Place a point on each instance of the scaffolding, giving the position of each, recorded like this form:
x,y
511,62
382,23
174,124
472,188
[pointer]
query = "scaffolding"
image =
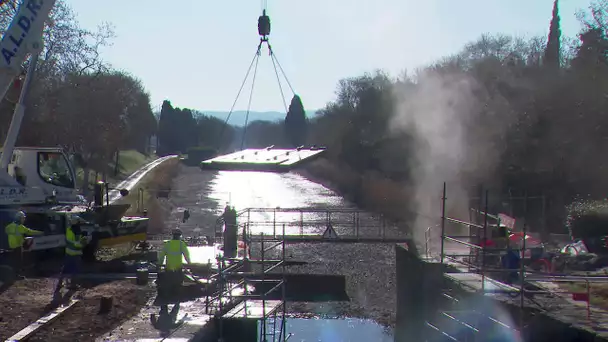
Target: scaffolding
x,y
477,266
242,290
271,229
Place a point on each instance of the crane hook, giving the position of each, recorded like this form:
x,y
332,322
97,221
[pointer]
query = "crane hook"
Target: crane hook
x,y
264,26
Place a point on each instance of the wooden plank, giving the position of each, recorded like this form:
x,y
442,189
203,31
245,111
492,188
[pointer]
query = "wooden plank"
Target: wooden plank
x,y
253,309
41,322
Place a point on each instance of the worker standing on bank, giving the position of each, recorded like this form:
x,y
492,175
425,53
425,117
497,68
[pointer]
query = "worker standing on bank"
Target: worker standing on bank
x,y
15,232
230,232
173,250
74,244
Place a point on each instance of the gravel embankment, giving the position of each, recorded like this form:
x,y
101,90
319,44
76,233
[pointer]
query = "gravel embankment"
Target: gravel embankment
x,y
370,278
189,191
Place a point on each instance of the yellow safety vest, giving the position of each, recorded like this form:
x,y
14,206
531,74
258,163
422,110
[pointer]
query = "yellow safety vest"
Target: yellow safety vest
x,y
173,250
73,246
15,233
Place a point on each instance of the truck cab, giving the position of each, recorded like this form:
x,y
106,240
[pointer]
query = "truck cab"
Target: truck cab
x,y
45,168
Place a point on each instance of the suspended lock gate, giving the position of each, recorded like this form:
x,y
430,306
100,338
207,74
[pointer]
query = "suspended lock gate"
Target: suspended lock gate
x,y
270,158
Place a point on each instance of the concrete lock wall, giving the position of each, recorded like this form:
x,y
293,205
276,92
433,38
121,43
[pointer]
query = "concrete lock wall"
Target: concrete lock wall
x,y
420,288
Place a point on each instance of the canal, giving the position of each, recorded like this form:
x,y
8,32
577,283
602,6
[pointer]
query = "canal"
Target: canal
x,y
369,269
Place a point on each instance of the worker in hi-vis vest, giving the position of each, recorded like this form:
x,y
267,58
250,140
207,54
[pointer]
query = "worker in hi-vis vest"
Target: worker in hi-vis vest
x,y
173,250
15,232
74,244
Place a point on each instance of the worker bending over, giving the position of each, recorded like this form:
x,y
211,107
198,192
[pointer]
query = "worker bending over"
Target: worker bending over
x,y
74,244
173,277
15,232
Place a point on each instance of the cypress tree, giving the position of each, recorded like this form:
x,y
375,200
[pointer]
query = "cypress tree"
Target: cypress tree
x,y
295,123
552,51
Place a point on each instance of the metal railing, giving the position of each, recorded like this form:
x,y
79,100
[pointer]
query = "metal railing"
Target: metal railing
x,y
308,224
235,284
476,257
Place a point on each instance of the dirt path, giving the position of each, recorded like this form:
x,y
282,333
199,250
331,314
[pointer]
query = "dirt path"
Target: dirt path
x,y
23,303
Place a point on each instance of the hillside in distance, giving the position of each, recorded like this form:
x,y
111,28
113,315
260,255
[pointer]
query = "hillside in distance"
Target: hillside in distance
x,y
237,118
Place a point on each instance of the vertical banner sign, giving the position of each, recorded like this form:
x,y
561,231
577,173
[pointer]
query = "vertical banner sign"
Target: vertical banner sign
x,y
23,36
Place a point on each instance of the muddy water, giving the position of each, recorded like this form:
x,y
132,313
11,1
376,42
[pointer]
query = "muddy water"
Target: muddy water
x,y
369,268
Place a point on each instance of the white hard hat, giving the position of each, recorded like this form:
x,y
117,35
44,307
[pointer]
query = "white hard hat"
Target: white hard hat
x,y
19,215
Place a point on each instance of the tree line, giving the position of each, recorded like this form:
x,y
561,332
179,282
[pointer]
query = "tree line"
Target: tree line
x,y
180,130
519,116
76,100
522,117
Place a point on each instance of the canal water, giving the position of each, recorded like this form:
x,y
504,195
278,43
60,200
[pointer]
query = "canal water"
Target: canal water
x,y
337,330
269,191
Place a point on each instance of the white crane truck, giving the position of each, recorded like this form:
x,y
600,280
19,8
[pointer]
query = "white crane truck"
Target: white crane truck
x,y
40,180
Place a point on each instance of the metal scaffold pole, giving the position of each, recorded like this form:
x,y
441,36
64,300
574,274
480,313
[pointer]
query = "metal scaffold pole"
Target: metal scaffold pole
x,y
443,198
523,255
483,247
263,332
282,336
221,290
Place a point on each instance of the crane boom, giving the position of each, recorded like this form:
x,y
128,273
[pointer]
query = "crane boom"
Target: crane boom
x,y
23,37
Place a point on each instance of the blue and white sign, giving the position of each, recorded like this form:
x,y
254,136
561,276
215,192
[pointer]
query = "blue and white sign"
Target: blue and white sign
x,y
24,34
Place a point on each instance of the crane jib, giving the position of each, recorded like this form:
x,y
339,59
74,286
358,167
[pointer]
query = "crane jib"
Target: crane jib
x,y
24,32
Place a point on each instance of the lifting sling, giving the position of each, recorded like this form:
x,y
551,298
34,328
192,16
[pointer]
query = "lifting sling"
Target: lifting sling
x,y
264,32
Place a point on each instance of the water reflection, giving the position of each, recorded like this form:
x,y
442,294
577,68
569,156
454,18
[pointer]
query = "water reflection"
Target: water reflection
x,y
266,189
336,330
248,189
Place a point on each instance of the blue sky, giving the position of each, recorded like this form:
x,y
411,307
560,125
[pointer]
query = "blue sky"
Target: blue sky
x,y
196,52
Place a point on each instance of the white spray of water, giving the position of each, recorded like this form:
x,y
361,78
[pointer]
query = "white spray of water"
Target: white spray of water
x,y
436,112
